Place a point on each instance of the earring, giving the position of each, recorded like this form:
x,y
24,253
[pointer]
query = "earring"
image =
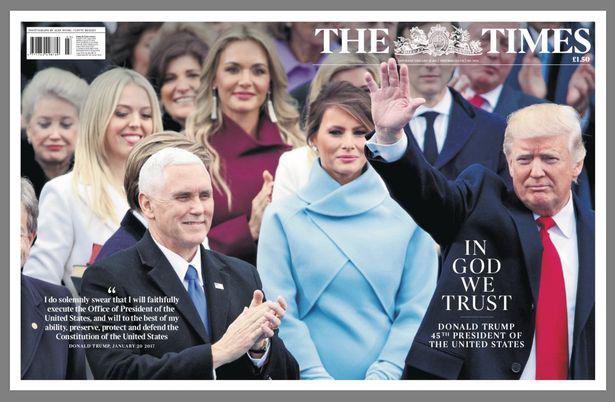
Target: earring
x,y
270,109
214,104
314,148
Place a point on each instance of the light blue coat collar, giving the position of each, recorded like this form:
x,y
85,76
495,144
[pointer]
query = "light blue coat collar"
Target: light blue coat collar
x,y
327,197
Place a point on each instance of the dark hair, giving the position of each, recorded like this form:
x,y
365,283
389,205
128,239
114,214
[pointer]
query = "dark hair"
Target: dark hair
x,y
124,40
175,45
149,146
402,26
354,101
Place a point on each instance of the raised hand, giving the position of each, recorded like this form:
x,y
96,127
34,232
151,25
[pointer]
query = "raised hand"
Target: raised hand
x,y
531,80
580,87
392,106
259,203
257,300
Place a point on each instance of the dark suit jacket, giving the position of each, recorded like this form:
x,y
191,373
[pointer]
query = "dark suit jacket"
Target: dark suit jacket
x,y
512,99
43,357
131,230
479,206
473,136
143,270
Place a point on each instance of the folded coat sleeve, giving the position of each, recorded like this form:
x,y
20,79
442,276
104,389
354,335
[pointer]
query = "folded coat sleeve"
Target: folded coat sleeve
x,y
54,239
416,288
276,271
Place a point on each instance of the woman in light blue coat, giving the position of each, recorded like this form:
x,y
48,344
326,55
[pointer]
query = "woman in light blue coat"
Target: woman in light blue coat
x,y
356,270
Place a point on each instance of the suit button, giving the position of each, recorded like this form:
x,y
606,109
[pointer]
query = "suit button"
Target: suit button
x,y
515,367
533,306
34,325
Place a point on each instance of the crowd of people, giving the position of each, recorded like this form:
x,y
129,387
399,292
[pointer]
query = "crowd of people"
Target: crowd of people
x,y
219,163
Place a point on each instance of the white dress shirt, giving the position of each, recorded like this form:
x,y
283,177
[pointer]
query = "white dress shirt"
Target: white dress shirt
x,y
389,152
143,220
418,123
180,266
564,238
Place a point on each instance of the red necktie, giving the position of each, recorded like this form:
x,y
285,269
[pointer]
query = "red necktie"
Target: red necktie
x,y
551,312
477,101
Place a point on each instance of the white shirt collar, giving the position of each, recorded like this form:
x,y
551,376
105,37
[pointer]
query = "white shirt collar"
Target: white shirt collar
x,y
140,217
443,107
180,266
491,97
564,219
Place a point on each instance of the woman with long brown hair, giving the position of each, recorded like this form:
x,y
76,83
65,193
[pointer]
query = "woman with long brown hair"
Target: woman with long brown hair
x,y
246,119
356,270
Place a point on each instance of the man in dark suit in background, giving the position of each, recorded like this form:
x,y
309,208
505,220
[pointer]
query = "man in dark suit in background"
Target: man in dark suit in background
x,y
207,310
451,133
487,73
532,273
44,356
557,77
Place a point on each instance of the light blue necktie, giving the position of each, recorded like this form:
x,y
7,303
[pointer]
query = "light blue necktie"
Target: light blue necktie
x,y
197,294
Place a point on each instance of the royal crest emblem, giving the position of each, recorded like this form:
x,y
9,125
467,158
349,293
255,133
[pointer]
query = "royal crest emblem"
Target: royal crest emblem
x,y
438,42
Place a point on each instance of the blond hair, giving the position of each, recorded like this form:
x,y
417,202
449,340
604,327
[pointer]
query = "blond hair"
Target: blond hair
x,y
91,159
544,120
56,83
201,127
339,62
148,147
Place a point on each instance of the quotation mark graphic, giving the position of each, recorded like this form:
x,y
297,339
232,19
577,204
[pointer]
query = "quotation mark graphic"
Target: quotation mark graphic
x,y
111,289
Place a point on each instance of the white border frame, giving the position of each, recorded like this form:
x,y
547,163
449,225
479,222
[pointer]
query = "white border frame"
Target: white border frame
x,y
17,17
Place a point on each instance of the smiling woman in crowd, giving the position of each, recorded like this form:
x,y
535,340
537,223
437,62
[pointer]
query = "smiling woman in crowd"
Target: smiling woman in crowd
x,y
50,110
246,120
175,71
81,209
356,270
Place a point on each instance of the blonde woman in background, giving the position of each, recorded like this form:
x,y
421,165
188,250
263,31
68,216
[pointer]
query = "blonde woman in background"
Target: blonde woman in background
x,y
81,209
50,106
295,166
246,120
